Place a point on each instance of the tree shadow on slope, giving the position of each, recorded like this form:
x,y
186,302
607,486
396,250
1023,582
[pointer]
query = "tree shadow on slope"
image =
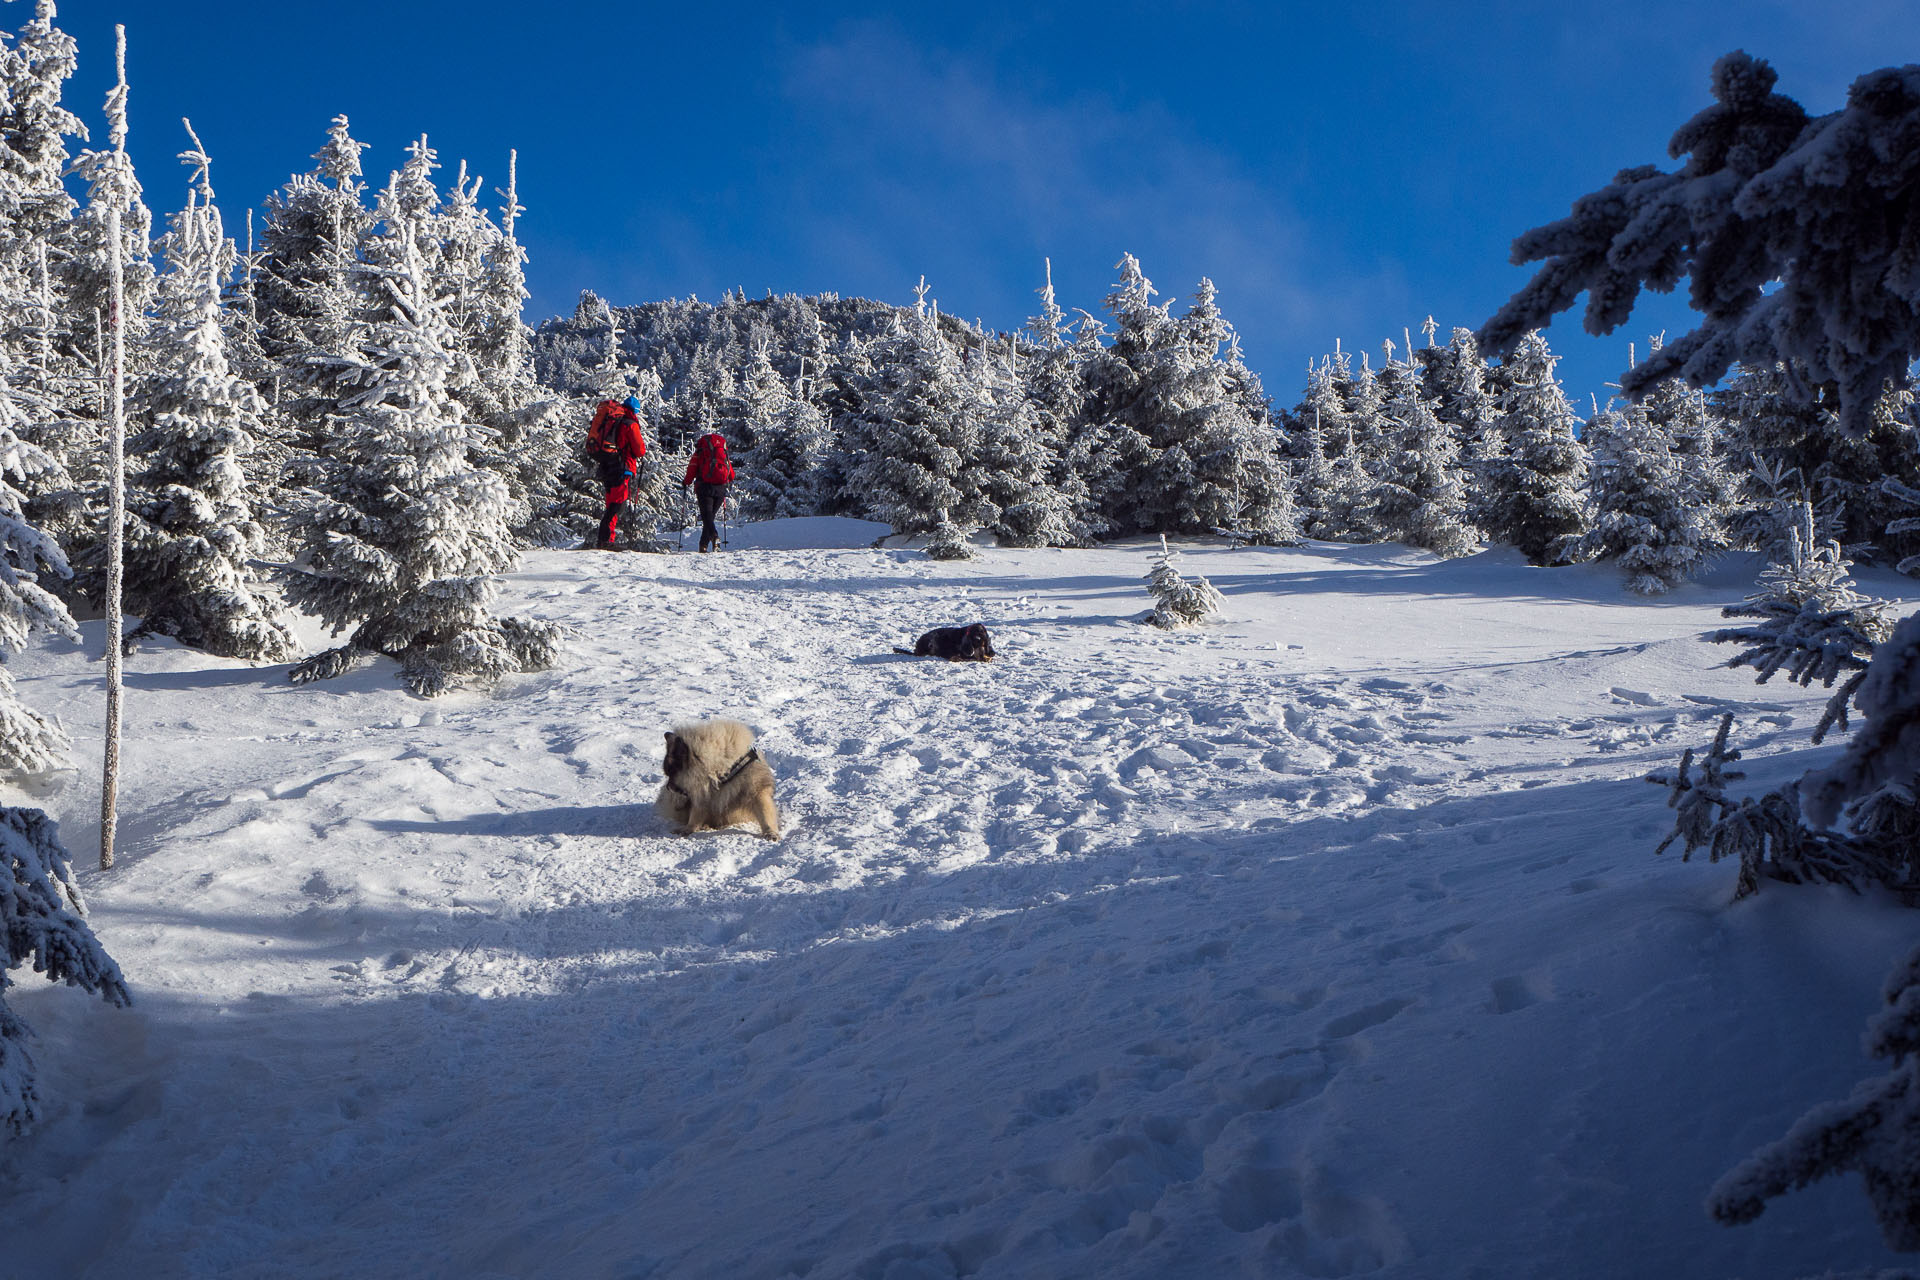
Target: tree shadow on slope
x,y
1121,1063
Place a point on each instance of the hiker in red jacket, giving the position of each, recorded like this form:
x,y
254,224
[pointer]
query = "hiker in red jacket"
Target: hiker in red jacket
x,y
709,472
615,447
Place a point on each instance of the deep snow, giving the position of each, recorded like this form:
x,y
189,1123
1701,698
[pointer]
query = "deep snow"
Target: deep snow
x,y
1325,940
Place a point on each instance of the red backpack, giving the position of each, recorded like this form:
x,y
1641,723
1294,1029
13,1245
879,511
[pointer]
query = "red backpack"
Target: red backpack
x,y
710,465
603,437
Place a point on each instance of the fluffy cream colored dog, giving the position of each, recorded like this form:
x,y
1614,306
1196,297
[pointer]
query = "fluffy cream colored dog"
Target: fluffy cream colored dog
x,y
715,779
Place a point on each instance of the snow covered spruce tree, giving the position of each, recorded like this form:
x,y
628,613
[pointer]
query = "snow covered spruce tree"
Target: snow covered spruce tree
x,y
1420,496
761,406
949,541
1019,456
35,206
1795,447
29,743
1176,602
1767,197
786,478
529,431
53,351
1812,623
305,289
1802,243
1188,428
1093,467
42,920
1649,514
1458,383
1333,483
191,532
1131,487
405,534
1050,390
1535,487
1362,459
916,444
1221,420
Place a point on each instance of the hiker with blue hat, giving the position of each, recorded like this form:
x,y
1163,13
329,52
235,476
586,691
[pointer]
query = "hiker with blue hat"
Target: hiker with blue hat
x,y
614,448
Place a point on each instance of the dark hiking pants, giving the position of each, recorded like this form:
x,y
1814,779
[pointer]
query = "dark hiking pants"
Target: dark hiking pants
x,y
710,497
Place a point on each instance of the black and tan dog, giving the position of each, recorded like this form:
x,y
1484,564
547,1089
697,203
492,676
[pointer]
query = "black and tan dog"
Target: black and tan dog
x,y
955,644
716,779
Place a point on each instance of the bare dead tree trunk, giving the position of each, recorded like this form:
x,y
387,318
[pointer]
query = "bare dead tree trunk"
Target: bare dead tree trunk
x,y
116,481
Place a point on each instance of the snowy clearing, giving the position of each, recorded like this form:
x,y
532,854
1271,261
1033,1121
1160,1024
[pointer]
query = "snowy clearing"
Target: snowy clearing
x,y
1325,940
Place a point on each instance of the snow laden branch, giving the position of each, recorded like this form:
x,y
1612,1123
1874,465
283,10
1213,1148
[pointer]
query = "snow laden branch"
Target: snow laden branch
x,y
41,920
1797,235
1815,626
1766,836
1874,1132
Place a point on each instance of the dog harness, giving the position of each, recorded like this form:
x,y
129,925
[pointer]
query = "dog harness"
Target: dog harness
x,y
738,765
753,753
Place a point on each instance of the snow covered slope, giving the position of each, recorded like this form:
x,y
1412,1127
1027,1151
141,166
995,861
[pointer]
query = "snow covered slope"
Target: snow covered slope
x,y
1327,940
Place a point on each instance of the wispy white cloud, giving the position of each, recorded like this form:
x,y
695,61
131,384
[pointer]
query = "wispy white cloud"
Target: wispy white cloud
x,y
940,157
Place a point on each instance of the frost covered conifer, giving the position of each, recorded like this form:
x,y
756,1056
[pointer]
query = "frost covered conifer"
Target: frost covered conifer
x,y
34,201
37,430
1121,382
406,534
1177,602
1019,457
917,444
1877,778
42,921
28,742
52,347
788,457
1648,513
1188,428
760,395
1049,328
1798,238
1420,497
1791,449
481,275
1092,460
1333,483
306,287
1813,624
949,541
533,429
1535,488
1218,416
1767,196
85,250
1455,379
1362,458
191,531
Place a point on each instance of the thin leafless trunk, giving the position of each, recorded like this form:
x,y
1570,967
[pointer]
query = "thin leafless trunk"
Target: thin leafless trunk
x,y
117,488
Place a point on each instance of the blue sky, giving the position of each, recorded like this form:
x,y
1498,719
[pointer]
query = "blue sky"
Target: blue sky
x,y
1339,171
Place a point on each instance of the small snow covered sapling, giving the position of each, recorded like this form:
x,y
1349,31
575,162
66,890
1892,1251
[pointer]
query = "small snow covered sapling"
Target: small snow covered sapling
x,y
1177,602
949,541
41,920
1812,621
